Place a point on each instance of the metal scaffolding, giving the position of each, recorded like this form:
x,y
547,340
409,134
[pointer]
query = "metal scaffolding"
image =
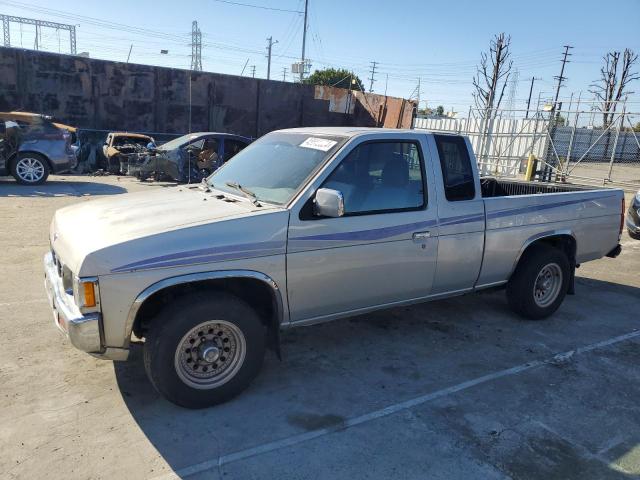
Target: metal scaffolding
x,y
7,19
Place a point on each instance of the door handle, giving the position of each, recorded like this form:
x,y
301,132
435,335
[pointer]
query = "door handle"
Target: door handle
x,y
421,235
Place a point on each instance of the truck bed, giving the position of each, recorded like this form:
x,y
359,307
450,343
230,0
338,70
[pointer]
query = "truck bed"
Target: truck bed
x,y
493,187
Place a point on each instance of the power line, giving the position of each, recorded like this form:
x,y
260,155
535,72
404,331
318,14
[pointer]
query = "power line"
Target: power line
x,y
262,7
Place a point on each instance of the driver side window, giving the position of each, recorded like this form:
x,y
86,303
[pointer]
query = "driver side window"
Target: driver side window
x,y
378,177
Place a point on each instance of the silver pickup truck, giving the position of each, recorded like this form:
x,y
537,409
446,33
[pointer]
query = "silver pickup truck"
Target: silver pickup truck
x,y
305,226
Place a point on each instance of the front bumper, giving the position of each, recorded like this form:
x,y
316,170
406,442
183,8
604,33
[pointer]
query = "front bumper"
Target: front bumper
x,y
82,330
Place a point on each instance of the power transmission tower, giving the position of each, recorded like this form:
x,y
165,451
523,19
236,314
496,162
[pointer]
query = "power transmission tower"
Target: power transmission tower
x,y
253,71
372,78
513,89
270,43
561,78
304,40
196,47
7,19
284,74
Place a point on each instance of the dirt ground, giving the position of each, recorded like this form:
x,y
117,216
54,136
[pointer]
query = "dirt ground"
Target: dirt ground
x,y
455,389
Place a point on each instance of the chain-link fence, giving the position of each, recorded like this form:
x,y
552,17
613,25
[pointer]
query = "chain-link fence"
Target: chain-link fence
x,y
570,145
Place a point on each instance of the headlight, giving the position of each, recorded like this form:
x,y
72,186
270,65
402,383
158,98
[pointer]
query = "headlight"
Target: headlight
x,y
85,294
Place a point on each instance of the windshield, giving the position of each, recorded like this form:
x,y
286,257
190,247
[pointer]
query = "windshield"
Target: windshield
x,y
178,142
274,167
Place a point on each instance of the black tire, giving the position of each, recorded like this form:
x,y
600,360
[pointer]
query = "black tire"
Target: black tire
x,y
171,326
521,291
39,164
635,236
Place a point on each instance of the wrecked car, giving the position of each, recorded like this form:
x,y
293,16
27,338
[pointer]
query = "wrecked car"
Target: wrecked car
x,y
191,157
32,146
121,147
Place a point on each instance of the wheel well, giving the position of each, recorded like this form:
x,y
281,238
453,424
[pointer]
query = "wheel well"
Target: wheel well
x,y
564,242
256,293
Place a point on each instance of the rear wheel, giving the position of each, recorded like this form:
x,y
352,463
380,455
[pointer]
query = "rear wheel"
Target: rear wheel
x,y
539,284
30,169
634,235
204,349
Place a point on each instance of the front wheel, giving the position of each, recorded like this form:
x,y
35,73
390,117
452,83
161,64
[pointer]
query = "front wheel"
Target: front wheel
x,y
204,349
540,282
634,235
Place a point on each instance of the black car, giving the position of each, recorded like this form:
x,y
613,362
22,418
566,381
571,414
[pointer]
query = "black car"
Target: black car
x,y
633,217
191,157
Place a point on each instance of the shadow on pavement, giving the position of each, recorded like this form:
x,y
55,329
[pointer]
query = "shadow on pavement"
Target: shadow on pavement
x,y
344,369
57,188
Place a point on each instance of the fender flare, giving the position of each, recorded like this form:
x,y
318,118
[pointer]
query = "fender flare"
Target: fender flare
x,y
539,236
199,277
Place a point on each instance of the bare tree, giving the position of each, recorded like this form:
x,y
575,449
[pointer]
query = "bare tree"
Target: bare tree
x,y
612,85
492,75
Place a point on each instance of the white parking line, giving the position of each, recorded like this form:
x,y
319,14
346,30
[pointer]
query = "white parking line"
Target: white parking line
x,y
390,410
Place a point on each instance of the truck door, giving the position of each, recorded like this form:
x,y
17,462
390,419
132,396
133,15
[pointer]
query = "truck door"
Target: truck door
x,y
460,213
383,250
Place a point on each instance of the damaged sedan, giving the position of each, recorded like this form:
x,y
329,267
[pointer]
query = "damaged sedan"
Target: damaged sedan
x,y
191,157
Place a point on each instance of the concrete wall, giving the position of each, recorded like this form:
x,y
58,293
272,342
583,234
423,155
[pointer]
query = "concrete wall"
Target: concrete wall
x,y
99,94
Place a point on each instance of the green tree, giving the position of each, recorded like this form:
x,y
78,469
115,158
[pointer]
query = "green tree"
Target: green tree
x,y
335,78
440,110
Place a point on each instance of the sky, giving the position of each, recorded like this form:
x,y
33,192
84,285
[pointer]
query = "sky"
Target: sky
x,y
438,42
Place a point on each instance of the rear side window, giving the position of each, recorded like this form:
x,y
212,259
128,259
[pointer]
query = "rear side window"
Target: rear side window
x,y
457,173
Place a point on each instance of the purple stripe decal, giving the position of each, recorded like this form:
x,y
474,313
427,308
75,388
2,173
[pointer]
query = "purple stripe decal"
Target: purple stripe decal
x,y
374,234
474,217
204,255
538,208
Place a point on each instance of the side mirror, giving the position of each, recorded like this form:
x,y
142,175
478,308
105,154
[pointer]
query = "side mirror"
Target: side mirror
x,y
328,203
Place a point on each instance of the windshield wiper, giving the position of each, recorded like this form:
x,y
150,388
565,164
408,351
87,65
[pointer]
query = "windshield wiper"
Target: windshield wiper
x,y
246,192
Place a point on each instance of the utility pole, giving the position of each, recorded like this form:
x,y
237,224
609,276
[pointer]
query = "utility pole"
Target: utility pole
x,y
304,39
253,71
533,79
418,95
284,74
270,43
196,47
373,73
245,66
561,78
129,56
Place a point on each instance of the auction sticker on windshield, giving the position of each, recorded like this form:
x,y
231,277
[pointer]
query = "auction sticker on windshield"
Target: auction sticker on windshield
x,y
316,143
